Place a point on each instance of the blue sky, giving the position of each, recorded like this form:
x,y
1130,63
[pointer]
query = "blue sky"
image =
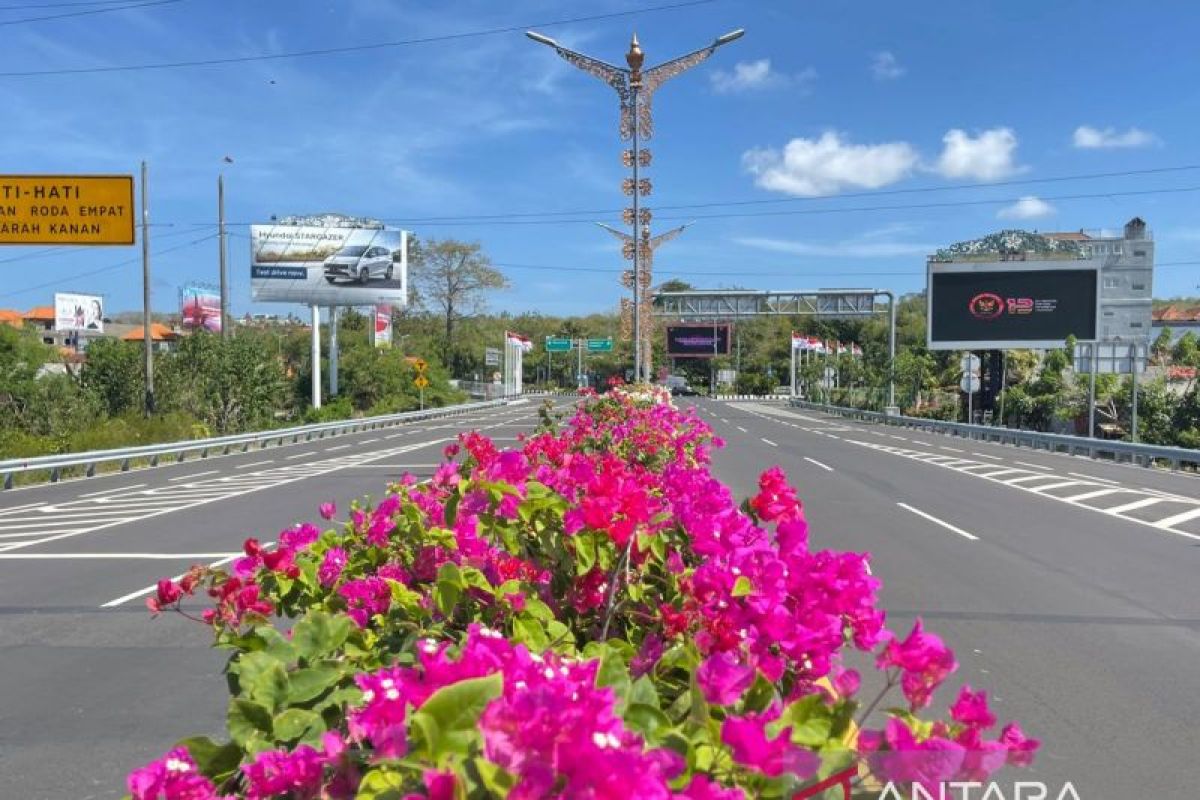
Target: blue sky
x,y
817,101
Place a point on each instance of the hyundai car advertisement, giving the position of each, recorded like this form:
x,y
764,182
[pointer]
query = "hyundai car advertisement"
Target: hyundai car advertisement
x,y
328,266
1034,306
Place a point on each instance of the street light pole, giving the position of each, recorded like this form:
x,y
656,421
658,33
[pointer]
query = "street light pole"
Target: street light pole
x,y
635,88
223,256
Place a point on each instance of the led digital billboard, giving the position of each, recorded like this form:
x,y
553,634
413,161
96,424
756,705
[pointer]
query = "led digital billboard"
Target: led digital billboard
x,y
992,307
330,266
697,340
200,307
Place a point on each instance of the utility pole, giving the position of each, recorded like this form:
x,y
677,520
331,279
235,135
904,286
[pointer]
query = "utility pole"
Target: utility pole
x,y
147,340
223,256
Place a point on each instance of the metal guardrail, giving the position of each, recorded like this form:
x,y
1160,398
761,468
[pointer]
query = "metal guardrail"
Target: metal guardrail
x,y
177,451
1145,454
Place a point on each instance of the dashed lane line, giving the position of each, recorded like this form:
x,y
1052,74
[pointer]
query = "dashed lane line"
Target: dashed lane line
x,y
1093,478
254,464
113,491
768,441
193,476
825,467
941,522
985,455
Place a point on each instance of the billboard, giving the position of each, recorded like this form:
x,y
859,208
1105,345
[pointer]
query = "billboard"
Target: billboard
x,y
381,329
992,307
66,209
78,312
200,307
332,266
698,340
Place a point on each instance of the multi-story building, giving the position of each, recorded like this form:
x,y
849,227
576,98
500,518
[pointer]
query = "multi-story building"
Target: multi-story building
x,y
1126,277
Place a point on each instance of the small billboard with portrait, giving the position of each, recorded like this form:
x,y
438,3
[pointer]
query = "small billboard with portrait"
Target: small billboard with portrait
x,y
78,312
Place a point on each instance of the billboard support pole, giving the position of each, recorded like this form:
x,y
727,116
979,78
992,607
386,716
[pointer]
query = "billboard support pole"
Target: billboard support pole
x,y
1003,384
316,355
1133,376
333,350
222,257
579,344
147,339
793,373
1092,393
891,403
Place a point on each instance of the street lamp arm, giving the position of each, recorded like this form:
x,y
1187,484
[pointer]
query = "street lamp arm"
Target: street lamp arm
x,y
657,76
622,235
663,238
614,76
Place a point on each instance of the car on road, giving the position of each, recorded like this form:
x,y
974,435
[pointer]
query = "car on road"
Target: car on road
x,y
360,263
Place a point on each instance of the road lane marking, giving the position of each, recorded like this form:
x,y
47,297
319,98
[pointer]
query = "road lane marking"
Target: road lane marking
x,y
1172,521
368,441
740,428
338,447
1040,477
951,449
25,507
825,467
1093,478
1033,466
768,441
1136,504
129,556
298,455
937,521
255,464
193,475
985,455
1089,495
1058,485
113,491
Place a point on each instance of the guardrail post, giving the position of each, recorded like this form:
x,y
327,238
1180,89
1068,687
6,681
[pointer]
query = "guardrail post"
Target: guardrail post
x,y
54,475
125,465
154,461
8,479
91,470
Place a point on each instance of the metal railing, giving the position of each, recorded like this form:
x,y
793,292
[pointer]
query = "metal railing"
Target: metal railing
x,y
176,452
1145,454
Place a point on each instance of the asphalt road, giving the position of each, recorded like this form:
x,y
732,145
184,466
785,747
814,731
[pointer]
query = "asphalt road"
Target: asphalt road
x,y
1068,587
90,687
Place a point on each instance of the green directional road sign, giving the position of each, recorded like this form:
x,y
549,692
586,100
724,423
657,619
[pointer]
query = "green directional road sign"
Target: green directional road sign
x,y
600,345
554,345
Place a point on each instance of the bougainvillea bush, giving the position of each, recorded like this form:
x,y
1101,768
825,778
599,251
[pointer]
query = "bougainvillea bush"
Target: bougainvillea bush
x,y
590,615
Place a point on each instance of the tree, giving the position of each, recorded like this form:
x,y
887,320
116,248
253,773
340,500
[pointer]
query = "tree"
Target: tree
x,y
453,278
232,384
113,372
1162,346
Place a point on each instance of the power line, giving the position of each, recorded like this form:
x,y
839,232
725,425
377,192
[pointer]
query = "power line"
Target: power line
x,y
75,4
108,268
65,15
328,51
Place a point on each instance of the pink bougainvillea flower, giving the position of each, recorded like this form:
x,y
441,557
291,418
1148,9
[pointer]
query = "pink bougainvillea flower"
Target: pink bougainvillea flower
x,y
172,777
327,510
331,566
971,709
924,661
1021,750
278,773
747,739
724,677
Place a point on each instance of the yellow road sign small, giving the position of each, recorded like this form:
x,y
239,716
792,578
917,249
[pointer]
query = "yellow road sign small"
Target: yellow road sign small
x,y
420,365
420,381
67,209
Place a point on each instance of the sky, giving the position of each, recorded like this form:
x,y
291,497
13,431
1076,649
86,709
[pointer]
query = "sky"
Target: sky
x,y
834,145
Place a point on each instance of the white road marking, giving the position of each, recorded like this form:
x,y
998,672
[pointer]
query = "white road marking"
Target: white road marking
x,y
298,455
1033,466
1172,521
255,464
1093,478
193,475
131,556
368,441
768,441
338,447
1059,485
985,455
937,521
394,436
21,508
825,467
113,491
951,449
740,428
125,598
1136,504
1089,495
1039,477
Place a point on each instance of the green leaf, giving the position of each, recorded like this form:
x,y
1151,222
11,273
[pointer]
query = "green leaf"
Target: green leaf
x,y
742,586
454,712
381,784
262,678
529,632
446,594
537,609
450,573
319,634
647,720
474,579
246,718
298,723
214,760
810,719
491,777
585,552
310,683
643,692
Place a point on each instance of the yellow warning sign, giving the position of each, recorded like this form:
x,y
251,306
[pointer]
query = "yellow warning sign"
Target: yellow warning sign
x,y
66,209
420,364
420,381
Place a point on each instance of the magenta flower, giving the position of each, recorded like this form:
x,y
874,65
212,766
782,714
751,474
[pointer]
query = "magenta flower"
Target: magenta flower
x,y
723,678
172,777
924,662
331,566
1020,749
365,598
747,739
299,537
327,510
971,709
275,773
701,788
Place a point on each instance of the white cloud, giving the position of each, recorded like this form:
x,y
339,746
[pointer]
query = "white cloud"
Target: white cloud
x,y
1028,207
865,245
824,166
885,67
986,157
1089,138
754,75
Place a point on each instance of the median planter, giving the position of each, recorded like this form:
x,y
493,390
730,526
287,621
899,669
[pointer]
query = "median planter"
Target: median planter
x,y
590,615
